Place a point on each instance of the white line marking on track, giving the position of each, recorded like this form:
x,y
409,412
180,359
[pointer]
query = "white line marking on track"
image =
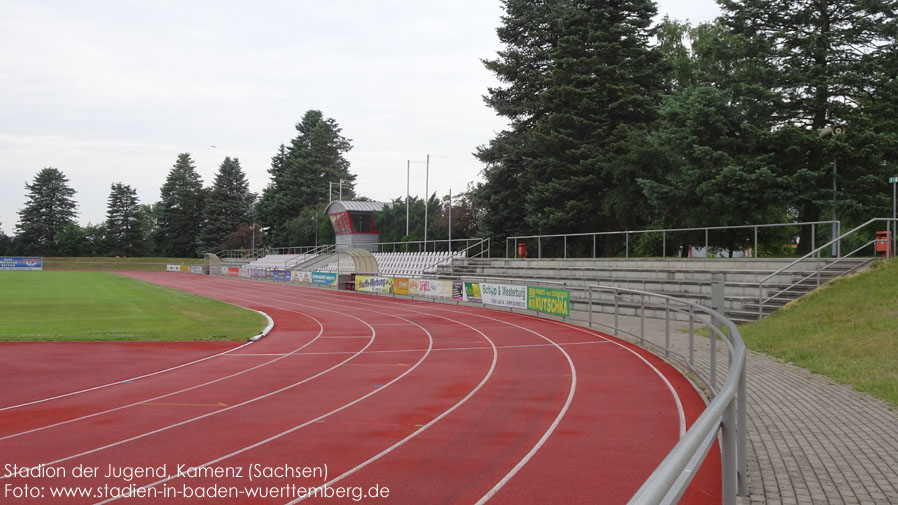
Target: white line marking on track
x,y
297,427
123,381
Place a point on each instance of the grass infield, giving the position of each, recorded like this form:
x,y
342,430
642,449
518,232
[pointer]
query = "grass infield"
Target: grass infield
x,y
70,306
847,330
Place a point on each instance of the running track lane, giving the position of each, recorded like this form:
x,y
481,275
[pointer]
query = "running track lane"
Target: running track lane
x,y
445,433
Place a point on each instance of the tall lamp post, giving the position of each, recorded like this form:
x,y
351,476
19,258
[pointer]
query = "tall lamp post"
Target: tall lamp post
x,y
427,194
832,131
408,178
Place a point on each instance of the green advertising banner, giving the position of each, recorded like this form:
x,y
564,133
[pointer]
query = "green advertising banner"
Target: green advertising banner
x,y
550,301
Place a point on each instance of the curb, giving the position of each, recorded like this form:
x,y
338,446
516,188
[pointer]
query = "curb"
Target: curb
x,y
267,328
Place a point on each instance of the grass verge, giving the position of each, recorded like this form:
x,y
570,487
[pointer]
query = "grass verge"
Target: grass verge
x,y
104,263
37,306
847,330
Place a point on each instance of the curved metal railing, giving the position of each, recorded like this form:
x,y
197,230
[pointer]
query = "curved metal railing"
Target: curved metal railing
x,y
724,416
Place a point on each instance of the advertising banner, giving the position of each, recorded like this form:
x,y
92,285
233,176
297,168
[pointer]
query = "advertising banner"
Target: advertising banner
x,y
234,271
173,268
257,273
400,286
472,292
369,284
431,288
324,278
302,277
281,276
21,263
504,295
185,269
458,290
549,300
196,269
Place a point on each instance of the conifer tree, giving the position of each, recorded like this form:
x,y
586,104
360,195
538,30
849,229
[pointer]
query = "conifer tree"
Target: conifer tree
x,y
180,210
50,209
228,205
124,225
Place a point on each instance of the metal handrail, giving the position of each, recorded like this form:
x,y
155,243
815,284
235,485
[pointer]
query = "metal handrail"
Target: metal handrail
x,y
813,253
725,414
663,232
463,252
422,244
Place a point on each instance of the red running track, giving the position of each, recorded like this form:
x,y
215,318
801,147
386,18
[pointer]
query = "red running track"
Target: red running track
x,y
369,396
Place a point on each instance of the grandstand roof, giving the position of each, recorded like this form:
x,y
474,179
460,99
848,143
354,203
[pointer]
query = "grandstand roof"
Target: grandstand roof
x,y
353,206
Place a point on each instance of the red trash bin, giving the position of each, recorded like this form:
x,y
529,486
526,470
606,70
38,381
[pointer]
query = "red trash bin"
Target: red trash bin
x,y
522,249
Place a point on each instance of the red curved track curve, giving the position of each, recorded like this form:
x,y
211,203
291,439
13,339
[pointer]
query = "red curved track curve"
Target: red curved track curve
x,y
437,403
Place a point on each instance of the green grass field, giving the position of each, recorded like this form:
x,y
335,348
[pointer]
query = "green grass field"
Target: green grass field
x,y
118,264
103,306
847,330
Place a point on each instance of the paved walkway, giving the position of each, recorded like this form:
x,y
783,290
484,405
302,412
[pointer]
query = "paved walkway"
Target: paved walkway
x,y
810,441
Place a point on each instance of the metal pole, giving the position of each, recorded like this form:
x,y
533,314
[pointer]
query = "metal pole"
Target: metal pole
x,y
341,190
894,226
565,247
835,226
408,178
756,242
627,242
663,244
590,307
330,192
593,246
728,465
450,219
741,443
426,198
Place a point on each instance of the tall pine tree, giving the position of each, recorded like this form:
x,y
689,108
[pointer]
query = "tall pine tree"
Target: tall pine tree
x,y
50,209
827,64
301,173
228,205
124,223
582,86
180,215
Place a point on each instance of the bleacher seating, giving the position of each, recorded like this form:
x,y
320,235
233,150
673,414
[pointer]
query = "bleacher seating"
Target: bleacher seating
x,y
280,261
411,264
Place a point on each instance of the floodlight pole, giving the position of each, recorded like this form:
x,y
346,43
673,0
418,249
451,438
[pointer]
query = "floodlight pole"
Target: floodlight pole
x,y
426,198
835,252
450,219
408,178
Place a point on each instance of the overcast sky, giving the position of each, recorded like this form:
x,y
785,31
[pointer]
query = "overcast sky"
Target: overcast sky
x,y
112,91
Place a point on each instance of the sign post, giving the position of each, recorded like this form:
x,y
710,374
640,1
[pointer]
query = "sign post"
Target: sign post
x,y
894,227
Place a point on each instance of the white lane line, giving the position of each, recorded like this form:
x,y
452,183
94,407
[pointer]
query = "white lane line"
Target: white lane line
x,y
681,414
299,426
423,428
123,381
122,407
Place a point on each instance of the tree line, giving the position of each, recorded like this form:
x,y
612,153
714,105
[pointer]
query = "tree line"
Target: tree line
x,y
190,219
619,123
615,122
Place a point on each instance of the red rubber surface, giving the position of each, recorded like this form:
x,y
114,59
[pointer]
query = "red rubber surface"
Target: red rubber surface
x,y
438,403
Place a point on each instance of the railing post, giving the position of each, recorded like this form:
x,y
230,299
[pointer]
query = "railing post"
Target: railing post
x,y
565,247
706,242
713,358
593,246
814,238
615,311
742,442
627,241
757,255
760,300
590,306
539,247
691,336
728,455
667,329
642,322
663,244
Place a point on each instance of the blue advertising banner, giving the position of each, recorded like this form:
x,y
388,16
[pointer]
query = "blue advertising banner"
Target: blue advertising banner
x,y
324,278
20,263
281,275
